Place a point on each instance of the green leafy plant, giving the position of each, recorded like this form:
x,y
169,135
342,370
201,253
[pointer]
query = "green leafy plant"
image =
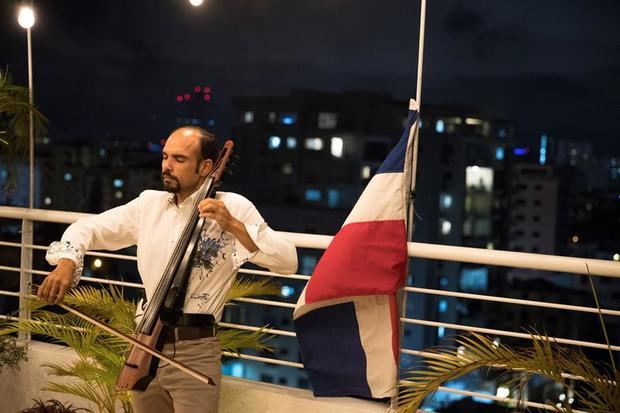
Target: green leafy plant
x,y
15,111
102,355
596,389
53,406
11,353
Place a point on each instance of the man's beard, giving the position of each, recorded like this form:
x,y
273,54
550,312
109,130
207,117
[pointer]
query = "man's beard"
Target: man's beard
x,y
173,185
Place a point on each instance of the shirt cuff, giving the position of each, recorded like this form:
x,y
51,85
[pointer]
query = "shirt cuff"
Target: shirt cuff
x,y
240,254
59,250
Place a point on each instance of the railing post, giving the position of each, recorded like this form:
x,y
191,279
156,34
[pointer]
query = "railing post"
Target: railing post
x,y
25,275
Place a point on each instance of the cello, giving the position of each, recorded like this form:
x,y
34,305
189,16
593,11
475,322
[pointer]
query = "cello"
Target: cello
x,y
166,305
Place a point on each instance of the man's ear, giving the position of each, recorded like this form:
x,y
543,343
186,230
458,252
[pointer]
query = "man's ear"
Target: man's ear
x,y
206,166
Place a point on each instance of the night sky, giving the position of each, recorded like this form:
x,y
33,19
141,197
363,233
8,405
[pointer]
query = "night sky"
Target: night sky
x,y
115,67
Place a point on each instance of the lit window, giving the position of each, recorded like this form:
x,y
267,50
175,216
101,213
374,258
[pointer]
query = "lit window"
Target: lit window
x,y
333,198
4,173
248,117
314,144
446,226
337,147
118,183
68,176
365,172
443,281
308,262
46,140
274,142
441,332
118,194
211,122
443,306
501,132
313,194
328,120
47,200
291,142
499,153
445,200
236,369
287,169
272,117
288,118
102,152
440,126
287,291
195,121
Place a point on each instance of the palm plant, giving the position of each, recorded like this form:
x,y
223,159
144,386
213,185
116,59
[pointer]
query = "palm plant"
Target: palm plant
x,y
596,389
102,355
15,111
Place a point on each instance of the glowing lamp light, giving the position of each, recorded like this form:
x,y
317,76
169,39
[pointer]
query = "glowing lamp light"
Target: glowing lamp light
x,y
196,3
503,392
186,96
26,17
616,257
575,239
207,97
207,89
97,263
179,98
197,89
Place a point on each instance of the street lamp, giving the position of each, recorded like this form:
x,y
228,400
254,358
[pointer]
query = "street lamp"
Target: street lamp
x,y
196,3
26,20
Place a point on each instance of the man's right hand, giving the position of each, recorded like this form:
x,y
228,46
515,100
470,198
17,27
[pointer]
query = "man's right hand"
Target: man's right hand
x,y
57,282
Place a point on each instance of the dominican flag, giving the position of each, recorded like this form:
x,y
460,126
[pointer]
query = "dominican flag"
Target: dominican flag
x,y
346,317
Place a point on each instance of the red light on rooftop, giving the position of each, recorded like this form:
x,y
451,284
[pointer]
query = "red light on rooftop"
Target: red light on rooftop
x,y
197,89
207,97
179,98
207,89
186,96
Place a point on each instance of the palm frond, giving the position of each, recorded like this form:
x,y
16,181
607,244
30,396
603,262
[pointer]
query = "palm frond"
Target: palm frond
x,y
247,286
234,340
545,357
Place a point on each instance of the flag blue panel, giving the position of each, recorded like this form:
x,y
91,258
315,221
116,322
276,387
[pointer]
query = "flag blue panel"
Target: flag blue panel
x,y
332,351
395,161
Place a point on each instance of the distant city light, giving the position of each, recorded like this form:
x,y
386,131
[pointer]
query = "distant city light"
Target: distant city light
x,y
211,122
186,96
315,144
446,227
501,132
313,195
473,121
196,3
207,89
197,89
542,158
562,397
287,291
503,392
47,200
337,146
365,172
274,142
521,151
288,119
443,306
118,183
26,17
118,194
97,263
207,97
445,201
68,176
499,153
179,98
291,142
440,126
248,117
616,257
575,239
441,332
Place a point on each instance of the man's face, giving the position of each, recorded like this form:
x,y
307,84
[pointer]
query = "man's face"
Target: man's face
x,y
182,170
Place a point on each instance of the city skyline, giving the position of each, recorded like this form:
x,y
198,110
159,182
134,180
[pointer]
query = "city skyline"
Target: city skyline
x,y
116,69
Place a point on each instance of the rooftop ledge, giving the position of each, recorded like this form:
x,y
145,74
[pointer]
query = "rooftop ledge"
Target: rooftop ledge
x,y
20,387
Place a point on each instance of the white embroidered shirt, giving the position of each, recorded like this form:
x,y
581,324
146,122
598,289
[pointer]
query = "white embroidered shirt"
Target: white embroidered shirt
x,y
154,222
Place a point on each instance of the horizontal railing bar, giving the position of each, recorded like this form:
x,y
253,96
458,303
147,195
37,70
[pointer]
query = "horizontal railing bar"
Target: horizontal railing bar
x,y
506,333
112,282
443,357
265,329
273,274
91,253
9,293
496,398
8,268
264,359
265,302
10,244
507,300
414,249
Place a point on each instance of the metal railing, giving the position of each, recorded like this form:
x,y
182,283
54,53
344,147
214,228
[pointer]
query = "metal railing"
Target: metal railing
x,y
594,267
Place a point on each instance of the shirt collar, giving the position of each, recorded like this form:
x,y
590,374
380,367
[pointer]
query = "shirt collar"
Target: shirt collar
x,y
188,201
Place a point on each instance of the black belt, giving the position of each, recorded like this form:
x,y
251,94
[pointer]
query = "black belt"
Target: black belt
x,y
192,327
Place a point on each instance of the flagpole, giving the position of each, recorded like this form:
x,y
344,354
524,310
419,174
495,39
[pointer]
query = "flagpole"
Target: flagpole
x,y
402,296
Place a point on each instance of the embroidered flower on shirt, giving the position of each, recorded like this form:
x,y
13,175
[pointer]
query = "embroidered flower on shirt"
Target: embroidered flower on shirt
x,y
58,250
209,253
